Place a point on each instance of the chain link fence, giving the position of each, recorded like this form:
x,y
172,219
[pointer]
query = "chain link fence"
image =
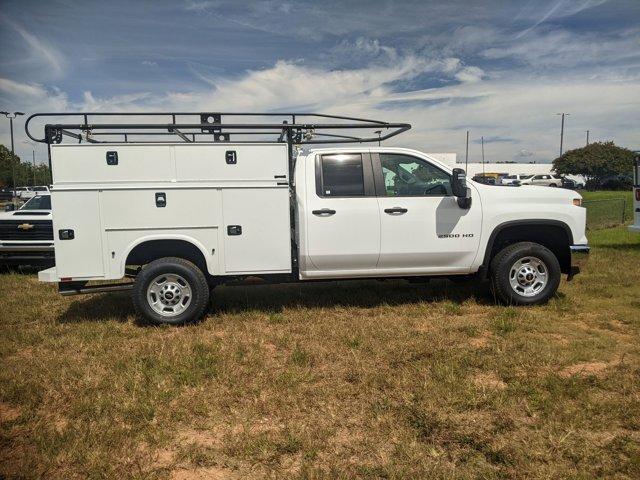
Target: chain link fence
x,y
608,212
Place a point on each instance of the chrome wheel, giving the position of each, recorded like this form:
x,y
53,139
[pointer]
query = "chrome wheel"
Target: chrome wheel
x,y
528,276
169,295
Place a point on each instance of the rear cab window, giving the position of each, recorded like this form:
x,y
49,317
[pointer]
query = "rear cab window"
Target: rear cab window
x,y
344,175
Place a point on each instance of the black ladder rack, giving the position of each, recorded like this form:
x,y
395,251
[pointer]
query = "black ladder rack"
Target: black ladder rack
x,y
294,128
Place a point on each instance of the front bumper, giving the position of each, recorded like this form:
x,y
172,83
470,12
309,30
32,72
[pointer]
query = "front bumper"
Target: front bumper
x,y
579,255
15,253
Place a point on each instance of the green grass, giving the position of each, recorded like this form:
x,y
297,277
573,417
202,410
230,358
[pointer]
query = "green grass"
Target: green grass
x,y
607,209
340,380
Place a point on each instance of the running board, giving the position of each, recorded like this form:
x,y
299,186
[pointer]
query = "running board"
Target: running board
x,y
73,288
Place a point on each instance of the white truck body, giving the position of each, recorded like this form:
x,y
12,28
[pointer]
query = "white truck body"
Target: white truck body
x,y
112,209
201,210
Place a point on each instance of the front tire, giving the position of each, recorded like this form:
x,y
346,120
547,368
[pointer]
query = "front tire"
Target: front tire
x,y
170,291
525,273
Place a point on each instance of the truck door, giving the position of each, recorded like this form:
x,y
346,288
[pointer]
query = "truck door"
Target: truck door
x,y
423,230
342,215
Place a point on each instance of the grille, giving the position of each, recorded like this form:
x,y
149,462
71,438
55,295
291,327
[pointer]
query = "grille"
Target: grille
x,y
42,230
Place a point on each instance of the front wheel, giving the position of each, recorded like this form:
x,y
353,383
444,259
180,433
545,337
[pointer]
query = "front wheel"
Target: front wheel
x,y
525,273
170,291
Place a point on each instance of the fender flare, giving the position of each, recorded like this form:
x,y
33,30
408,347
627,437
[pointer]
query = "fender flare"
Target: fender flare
x,y
484,268
150,238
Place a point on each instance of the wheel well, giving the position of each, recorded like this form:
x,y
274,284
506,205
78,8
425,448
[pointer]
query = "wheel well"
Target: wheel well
x,y
555,237
151,250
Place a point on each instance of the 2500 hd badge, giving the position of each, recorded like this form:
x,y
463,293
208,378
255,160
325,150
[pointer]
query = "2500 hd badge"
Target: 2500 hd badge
x,y
455,235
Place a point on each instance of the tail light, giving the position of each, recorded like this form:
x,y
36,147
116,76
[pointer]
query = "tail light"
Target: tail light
x,y
637,194
577,202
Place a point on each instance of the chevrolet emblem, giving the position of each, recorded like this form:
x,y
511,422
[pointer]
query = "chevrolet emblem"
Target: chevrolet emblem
x,y
25,226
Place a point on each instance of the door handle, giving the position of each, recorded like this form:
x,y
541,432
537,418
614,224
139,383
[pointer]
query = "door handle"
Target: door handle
x,y
395,210
324,212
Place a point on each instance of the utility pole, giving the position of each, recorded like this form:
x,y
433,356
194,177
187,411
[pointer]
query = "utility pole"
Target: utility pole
x,y
11,116
587,138
562,130
33,153
482,142
466,156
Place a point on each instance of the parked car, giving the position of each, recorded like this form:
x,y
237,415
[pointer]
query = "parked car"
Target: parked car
x,y
6,194
183,216
485,179
545,179
616,182
20,191
33,191
571,184
513,179
26,234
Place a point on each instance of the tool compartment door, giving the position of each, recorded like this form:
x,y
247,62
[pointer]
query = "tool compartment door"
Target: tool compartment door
x,y
256,230
82,255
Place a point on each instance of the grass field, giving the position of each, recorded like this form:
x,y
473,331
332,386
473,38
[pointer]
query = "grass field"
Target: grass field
x,y
607,209
339,380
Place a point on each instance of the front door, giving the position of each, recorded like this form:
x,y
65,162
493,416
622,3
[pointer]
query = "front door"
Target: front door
x,y
342,217
423,230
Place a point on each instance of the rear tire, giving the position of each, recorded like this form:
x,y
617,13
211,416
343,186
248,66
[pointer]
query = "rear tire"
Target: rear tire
x,y
525,273
170,291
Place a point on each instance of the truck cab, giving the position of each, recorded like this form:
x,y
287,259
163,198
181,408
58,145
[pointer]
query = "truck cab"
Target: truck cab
x,y
385,212
180,217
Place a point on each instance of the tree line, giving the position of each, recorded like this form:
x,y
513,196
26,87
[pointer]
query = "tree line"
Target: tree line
x,y
25,173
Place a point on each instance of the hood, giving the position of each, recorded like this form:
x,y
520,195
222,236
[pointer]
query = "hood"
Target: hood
x,y
26,215
527,193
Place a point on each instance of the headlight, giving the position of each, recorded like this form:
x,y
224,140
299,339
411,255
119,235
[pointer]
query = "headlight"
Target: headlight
x,y
577,202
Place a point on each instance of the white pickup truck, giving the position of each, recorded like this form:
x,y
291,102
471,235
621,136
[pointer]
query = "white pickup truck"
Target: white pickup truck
x,y
183,216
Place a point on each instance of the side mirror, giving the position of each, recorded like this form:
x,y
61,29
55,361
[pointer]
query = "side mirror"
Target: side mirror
x,y
10,207
460,189
459,182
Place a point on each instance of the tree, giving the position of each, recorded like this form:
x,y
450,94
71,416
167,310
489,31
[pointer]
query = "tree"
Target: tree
x,y
595,162
23,171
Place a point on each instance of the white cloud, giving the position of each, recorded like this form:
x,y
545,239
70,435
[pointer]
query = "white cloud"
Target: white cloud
x,y
39,52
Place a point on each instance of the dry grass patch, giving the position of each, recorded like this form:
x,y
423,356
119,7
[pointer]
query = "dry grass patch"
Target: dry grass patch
x,y
338,380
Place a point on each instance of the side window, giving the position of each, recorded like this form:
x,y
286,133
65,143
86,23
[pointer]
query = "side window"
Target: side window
x,y
342,175
406,176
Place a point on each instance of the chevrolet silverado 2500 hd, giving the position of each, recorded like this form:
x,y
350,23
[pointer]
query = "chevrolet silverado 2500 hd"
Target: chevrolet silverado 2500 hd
x,y
181,216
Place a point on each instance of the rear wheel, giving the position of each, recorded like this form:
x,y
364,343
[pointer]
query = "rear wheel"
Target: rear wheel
x,y
170,291
525,273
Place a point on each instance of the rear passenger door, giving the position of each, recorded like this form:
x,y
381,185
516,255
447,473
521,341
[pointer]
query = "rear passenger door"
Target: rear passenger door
x,y
342,215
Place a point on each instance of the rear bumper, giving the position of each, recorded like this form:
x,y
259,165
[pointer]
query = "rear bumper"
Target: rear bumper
x,y
579,255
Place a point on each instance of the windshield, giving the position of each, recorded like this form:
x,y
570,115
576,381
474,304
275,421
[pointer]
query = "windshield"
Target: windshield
x,y
524,177
39,189
41,202
511,177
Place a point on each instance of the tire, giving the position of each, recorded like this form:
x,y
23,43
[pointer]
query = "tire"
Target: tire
x,y
525,273
553,185
170,291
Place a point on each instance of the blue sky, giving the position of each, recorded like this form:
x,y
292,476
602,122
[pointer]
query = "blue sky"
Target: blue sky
x,y
500,69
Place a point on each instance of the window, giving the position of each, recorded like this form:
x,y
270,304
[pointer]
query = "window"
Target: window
x,y
511,177
42,202
342,175
39,189
406,176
